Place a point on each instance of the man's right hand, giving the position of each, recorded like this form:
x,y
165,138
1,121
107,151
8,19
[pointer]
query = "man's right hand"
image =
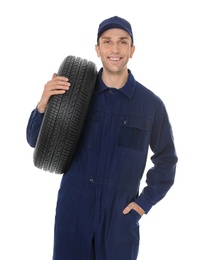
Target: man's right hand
x,y
57,85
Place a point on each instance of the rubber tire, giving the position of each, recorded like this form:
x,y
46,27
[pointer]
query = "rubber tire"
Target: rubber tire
x,y
64,117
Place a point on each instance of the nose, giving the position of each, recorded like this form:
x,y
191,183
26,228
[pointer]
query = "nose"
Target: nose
x,y
115,47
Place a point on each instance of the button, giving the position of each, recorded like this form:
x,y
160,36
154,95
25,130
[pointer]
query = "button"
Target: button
x,y
91,180
111,92
125,122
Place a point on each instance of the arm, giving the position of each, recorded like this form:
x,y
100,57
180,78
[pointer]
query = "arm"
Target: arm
x,y
161,176
57,85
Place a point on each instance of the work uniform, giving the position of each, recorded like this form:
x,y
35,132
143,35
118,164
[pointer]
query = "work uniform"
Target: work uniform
x,y
106,171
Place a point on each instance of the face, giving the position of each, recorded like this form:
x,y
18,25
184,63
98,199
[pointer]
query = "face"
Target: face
x,y
115,49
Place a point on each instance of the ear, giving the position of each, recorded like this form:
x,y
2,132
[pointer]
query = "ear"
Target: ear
x,y
132,51
97,50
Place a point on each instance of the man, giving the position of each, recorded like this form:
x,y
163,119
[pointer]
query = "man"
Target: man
x,y
99,204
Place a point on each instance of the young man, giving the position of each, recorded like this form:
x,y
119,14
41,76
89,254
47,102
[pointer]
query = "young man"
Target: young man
x,y
99,205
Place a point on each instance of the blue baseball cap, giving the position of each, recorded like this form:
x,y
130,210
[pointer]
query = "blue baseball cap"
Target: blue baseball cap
x,y
114,22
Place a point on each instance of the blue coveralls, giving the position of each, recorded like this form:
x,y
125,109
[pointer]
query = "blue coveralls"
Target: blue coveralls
x,y
105,174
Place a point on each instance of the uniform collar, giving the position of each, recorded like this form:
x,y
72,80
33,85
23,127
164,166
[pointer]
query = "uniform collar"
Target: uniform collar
x,y
128,89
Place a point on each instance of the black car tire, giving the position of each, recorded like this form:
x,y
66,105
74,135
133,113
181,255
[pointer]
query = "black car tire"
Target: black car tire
x,y
64,116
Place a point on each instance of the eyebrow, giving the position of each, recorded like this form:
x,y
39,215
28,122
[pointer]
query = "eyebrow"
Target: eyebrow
x,y
121,38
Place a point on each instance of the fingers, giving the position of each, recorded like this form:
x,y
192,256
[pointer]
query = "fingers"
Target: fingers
x,y
133,206
58,85
128,208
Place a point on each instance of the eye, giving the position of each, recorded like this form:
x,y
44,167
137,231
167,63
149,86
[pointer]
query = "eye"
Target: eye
x,y
123,42
107,41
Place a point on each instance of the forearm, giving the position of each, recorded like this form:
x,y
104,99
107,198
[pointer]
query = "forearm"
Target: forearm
x,y
159,180
33,127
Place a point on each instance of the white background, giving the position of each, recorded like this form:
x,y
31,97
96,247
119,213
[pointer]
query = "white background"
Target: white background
x,y
169,59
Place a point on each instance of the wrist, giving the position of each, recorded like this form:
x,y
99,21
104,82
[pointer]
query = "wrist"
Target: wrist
x,y
41,108
139,209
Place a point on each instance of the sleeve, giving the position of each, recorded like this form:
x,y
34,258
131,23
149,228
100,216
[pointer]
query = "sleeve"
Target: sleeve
x,y
33,127
161,176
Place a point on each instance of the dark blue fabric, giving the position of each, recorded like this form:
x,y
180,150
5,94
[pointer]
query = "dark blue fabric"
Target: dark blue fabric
x,y
105,174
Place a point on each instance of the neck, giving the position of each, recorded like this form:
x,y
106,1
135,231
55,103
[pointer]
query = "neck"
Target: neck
x,y
115,80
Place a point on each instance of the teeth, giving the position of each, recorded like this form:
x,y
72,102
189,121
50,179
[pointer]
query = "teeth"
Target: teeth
x,y
114,58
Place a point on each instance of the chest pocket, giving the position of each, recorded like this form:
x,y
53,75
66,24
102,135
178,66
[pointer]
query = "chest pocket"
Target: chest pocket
x,y
134,133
